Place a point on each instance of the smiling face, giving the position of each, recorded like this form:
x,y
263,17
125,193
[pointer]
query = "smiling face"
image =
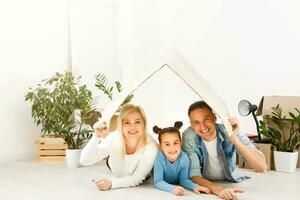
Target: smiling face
x,y
170,144
133,126
203,121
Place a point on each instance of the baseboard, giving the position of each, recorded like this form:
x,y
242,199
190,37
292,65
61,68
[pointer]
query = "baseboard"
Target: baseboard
x,y
21,155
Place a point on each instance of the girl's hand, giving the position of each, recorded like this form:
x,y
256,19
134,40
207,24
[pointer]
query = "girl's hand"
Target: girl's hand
x,y
100,128
178,190
103,184
200,189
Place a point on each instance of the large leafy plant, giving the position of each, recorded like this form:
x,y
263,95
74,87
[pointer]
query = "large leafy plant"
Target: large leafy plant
x,y
283,133
54,101
108,89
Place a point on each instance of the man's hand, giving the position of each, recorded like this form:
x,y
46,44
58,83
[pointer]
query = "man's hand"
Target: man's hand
x,y
198,189
178,190
230,193
235,129
255,159
103,184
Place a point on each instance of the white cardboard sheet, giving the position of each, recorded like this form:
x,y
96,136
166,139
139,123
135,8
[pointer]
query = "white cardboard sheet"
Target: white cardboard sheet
x,y
177,63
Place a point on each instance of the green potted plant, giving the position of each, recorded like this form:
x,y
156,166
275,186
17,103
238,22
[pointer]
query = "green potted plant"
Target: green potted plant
x,y
284,135
54,101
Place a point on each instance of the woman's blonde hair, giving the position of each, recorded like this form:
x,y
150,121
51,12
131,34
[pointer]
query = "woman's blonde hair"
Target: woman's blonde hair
x,y
126,109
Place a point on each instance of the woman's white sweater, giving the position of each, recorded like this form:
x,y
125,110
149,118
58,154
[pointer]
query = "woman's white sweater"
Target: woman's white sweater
x,y
128,170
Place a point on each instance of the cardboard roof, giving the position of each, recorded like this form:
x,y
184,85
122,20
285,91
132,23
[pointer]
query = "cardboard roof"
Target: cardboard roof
x,y
287,103
187,73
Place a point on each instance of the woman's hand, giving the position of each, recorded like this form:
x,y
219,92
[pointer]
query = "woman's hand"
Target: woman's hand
x,y
103,184
198,189
100,128
178,190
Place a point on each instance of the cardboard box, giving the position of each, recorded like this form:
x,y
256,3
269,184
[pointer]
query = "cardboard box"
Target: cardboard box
x,y
113,122
266,149
287,103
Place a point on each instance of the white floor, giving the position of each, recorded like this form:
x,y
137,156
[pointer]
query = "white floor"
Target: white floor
x,y
22,180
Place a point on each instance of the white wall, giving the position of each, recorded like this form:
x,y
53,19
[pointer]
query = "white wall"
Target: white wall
x,y
31,48
94,42
32,38
245,49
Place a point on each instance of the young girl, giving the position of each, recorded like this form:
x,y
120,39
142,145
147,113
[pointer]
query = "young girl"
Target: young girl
x,y
171,165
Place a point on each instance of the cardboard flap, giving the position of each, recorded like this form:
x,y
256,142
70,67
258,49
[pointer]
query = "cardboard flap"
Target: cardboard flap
x,y
287,103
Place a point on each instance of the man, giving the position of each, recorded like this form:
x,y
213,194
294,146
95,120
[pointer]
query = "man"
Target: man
x,y
212,152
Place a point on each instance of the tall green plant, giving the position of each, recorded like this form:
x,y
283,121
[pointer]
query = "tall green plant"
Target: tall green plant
x,y
107,88
54,101
284,133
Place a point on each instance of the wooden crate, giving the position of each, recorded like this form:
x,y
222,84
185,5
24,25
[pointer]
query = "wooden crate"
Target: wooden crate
x,y
51,150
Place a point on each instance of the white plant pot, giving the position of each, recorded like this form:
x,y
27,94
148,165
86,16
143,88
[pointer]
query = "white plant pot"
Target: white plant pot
x,y
285,161
73,157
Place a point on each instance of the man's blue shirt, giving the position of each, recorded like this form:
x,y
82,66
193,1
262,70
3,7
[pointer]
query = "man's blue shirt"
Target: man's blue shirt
x,y
195,148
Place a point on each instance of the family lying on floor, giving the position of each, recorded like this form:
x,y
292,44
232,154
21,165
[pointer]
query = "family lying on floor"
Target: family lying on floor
x,y
208,153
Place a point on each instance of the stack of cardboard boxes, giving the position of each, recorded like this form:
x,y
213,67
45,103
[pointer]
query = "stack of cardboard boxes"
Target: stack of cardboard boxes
x,y
288,104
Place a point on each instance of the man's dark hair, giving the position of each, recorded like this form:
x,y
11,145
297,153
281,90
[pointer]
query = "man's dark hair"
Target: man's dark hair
x,y
199,104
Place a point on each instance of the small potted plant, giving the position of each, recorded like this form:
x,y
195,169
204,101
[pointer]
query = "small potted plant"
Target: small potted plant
x,y
284,135
54,101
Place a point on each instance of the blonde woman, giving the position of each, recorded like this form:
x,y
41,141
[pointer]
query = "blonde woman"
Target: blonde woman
x,y
130,150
